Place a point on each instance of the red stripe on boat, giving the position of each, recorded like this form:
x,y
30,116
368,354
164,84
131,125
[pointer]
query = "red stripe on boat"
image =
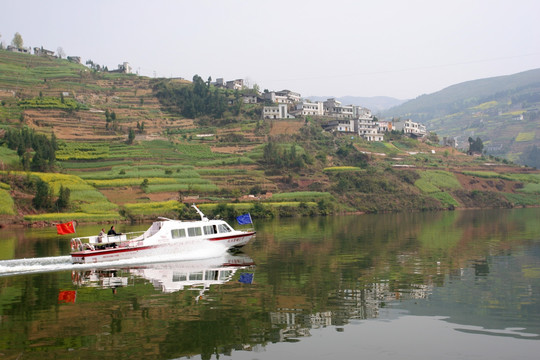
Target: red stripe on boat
x,y
108,251
232,236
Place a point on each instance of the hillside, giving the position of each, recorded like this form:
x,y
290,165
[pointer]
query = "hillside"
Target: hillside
x,y
224,156
503,111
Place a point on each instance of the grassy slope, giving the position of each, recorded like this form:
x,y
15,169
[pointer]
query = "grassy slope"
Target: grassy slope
x,y
107,176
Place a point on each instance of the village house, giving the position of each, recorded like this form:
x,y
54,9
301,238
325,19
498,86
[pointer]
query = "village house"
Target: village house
x,y
384,126
237,84
291,96
305,108
369,129
333,108
249,98
276,112
353,119
341,125
219,83
361,112
43,52
411,128
123,68
22,50
282,97
273,97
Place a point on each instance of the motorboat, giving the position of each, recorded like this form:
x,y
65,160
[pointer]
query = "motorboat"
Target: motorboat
x,y
165,236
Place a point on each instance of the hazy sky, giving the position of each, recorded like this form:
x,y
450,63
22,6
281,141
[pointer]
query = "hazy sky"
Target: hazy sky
x,y
398,48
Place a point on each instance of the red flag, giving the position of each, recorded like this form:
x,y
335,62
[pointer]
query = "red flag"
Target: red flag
x,y
66,228
67,296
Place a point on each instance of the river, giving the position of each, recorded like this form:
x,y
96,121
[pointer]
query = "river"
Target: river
x,y
444,285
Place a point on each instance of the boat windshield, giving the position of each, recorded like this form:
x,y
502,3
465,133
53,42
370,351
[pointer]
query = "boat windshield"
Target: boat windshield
x,y
223,228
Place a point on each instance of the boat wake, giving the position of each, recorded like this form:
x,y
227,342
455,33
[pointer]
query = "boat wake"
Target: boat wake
x,y
63,263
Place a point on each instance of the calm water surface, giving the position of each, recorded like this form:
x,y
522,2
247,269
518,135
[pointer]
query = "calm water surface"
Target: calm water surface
x,y
449,285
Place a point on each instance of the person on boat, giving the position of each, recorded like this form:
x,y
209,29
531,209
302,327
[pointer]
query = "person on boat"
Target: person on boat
x,y
101,235
112,232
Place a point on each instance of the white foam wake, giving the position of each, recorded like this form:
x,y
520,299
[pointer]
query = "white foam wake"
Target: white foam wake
x,y
63,263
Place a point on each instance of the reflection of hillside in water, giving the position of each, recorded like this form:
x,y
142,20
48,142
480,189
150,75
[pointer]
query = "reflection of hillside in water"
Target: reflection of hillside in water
x,y
169,277
453,264
501,292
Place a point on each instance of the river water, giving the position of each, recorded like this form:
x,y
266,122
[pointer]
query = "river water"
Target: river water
x,y
444,285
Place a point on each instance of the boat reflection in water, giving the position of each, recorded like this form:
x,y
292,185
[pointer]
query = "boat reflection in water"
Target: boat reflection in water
x,y
171,276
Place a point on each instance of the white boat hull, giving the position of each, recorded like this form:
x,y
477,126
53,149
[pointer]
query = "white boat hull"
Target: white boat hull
x,y
136,249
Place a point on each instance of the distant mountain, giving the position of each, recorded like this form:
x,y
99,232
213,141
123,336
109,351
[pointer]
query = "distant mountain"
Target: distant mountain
x,y
375,103
456,97
503,111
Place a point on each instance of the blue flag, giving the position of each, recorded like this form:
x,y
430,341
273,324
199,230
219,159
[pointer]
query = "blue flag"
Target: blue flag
x,y
246,278
244,219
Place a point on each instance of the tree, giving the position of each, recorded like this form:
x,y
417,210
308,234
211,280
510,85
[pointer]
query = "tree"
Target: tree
x,y
475,146
144,185
62,202
17,41
131,136
43,197
60,52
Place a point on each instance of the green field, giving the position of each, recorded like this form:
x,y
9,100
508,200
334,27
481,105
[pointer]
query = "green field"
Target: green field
x,y
436,180
525,136
6,203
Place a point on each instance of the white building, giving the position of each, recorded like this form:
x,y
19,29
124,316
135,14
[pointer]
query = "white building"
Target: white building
x,y
308,108
334,108
272,96
363,125
411,127
43,52
360,112
291,96
23,50
237,84
249,98
369,129
384,126
276,112
220,82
